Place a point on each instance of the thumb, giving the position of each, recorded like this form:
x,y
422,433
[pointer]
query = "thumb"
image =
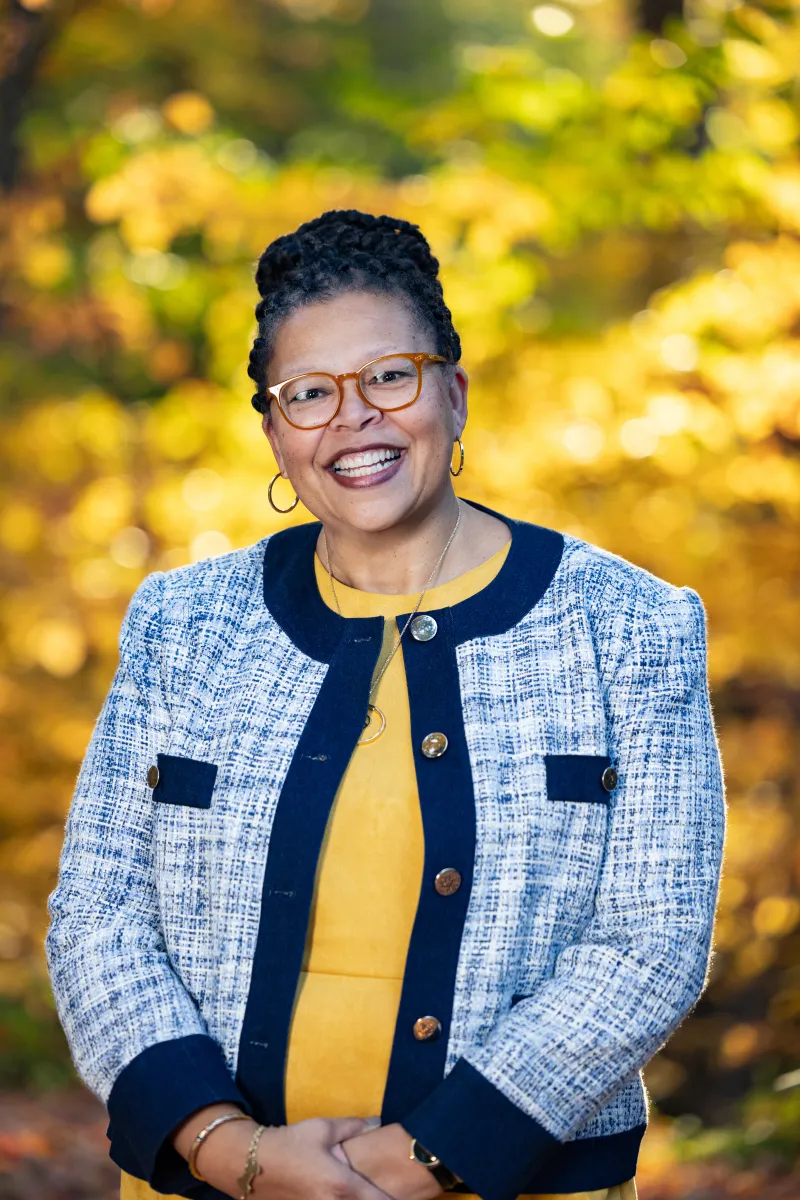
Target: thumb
x,y
341,1128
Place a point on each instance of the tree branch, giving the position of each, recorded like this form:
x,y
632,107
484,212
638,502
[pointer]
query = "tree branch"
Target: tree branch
x,y
24,36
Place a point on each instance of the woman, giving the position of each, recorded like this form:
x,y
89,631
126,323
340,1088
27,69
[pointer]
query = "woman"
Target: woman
x,y
413,814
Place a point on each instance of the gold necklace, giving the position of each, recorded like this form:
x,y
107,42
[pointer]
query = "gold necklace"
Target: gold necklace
x,y
373,708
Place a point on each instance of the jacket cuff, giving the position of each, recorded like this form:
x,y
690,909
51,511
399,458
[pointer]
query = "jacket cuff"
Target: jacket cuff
x,y
480,1135
155,1092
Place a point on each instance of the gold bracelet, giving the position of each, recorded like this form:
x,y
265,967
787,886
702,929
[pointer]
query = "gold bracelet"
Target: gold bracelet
x,y
203,1134
252,1168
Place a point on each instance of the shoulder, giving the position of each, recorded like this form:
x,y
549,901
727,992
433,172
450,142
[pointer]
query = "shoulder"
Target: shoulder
x,y
217,588
609,582
180,617
631,611
224,582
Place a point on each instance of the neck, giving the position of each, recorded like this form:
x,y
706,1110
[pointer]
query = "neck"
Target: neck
x,y
397,561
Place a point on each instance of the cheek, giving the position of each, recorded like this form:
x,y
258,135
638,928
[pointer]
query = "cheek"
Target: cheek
x,y
298,451
429,426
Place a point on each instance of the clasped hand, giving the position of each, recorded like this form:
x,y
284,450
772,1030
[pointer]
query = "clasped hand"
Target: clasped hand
x,y
343,1158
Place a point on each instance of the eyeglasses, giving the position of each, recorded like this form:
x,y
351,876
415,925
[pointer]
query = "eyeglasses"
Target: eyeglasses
x,y
389,383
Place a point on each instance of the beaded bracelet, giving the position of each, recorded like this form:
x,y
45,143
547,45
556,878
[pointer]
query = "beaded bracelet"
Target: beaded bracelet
x,y
203,1134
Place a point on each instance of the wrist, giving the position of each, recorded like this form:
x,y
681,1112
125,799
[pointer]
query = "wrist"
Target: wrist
x,y
446,1178
184,1134
382,1157
222,1158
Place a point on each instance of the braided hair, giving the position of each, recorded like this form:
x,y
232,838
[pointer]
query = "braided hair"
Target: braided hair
x,y
341,251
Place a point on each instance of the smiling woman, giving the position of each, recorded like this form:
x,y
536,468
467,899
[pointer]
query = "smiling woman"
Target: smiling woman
x,y
395,853
356,354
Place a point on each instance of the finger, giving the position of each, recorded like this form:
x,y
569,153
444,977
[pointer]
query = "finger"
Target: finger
x,y
339,1152
339,1129
362,1189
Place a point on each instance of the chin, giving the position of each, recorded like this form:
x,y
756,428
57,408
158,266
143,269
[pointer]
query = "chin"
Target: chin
x,y
376,515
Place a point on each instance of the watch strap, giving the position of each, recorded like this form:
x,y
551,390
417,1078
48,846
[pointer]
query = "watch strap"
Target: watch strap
x,y
443,1176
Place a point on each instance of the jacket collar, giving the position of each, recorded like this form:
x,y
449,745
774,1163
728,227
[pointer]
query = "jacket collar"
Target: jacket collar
x,y
292,596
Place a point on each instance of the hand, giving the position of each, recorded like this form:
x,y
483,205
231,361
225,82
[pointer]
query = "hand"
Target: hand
x,y
367,1124
298,1162
382,1157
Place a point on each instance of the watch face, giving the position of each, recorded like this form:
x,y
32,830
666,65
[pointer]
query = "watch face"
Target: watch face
x,y
424,1156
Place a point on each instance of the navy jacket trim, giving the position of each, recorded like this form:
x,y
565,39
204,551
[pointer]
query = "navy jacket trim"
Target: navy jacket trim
x,y
187,781
576,777
589,1164
448,816
292,596
320,760
480,1135
152,1095
501,1153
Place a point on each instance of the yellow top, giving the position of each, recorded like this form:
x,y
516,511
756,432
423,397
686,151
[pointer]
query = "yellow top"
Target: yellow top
x,y
365,898
367,888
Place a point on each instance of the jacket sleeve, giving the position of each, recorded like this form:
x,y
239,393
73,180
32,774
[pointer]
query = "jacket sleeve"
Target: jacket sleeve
x,y
617,994
136,1036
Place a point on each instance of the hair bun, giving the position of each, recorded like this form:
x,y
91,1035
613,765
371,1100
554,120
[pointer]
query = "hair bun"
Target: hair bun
x,y
276,264
343,232
345,249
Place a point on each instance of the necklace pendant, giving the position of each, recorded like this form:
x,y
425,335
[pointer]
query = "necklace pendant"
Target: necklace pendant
x,y
372,709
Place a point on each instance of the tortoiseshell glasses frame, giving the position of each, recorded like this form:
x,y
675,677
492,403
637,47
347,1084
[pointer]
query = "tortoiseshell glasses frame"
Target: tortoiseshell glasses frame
x,y
396,392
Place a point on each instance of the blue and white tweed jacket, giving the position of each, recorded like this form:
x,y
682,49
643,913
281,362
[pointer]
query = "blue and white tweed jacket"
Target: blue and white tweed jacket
x,y
578,942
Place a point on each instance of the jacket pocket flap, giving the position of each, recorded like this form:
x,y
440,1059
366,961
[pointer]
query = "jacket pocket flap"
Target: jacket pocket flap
x,y
579,777
186,781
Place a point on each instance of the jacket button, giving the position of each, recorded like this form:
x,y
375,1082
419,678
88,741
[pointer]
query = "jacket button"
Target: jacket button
x,y
434,745
609,779
153,776
448,881
427,1028
423,628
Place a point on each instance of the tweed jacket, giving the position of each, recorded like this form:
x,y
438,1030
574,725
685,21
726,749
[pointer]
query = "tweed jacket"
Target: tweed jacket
x,y
577,943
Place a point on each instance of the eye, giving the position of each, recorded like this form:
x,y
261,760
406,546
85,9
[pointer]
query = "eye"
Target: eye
x,y
312,390
391,375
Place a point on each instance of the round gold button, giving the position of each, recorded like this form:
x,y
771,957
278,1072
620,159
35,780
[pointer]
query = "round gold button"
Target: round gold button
x,y
427,1028
609,779
448,881
434,745
153,776
424,627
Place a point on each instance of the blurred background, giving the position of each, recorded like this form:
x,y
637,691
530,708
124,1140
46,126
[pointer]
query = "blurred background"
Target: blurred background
x,y
613,191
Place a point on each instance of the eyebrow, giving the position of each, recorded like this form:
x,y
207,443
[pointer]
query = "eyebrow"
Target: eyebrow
x,y
310,370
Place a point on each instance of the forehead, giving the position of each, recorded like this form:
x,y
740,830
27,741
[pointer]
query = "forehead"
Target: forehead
x,y
343,332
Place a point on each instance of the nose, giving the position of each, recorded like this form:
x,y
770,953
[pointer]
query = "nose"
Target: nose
x,y
354,412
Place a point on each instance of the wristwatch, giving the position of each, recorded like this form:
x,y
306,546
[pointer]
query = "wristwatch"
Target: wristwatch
x,y
446,1179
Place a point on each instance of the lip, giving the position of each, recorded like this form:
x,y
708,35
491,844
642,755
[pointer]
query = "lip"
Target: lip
x,y
367,481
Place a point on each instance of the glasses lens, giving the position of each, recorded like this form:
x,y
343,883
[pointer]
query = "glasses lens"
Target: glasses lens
x,y
390,382
310,400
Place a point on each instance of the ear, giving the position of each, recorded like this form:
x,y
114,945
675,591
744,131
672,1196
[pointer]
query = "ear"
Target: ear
x,y
457,394
268,427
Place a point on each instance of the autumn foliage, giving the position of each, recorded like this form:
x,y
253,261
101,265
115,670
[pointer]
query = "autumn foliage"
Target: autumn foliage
x,y
617,213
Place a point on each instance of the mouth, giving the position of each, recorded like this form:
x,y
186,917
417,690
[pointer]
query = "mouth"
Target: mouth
x,y
365,464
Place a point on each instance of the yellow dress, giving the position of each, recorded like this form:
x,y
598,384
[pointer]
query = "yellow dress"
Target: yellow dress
x,y
365,899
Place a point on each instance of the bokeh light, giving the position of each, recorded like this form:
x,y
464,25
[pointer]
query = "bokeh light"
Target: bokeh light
x,y
616,211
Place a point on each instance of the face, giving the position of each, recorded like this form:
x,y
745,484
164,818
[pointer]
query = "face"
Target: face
x,y
414,443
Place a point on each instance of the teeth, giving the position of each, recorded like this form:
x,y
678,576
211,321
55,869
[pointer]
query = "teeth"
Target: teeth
x,y
368,462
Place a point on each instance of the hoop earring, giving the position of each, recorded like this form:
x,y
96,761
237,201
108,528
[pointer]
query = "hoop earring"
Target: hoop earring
x,y
272,483
455,474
